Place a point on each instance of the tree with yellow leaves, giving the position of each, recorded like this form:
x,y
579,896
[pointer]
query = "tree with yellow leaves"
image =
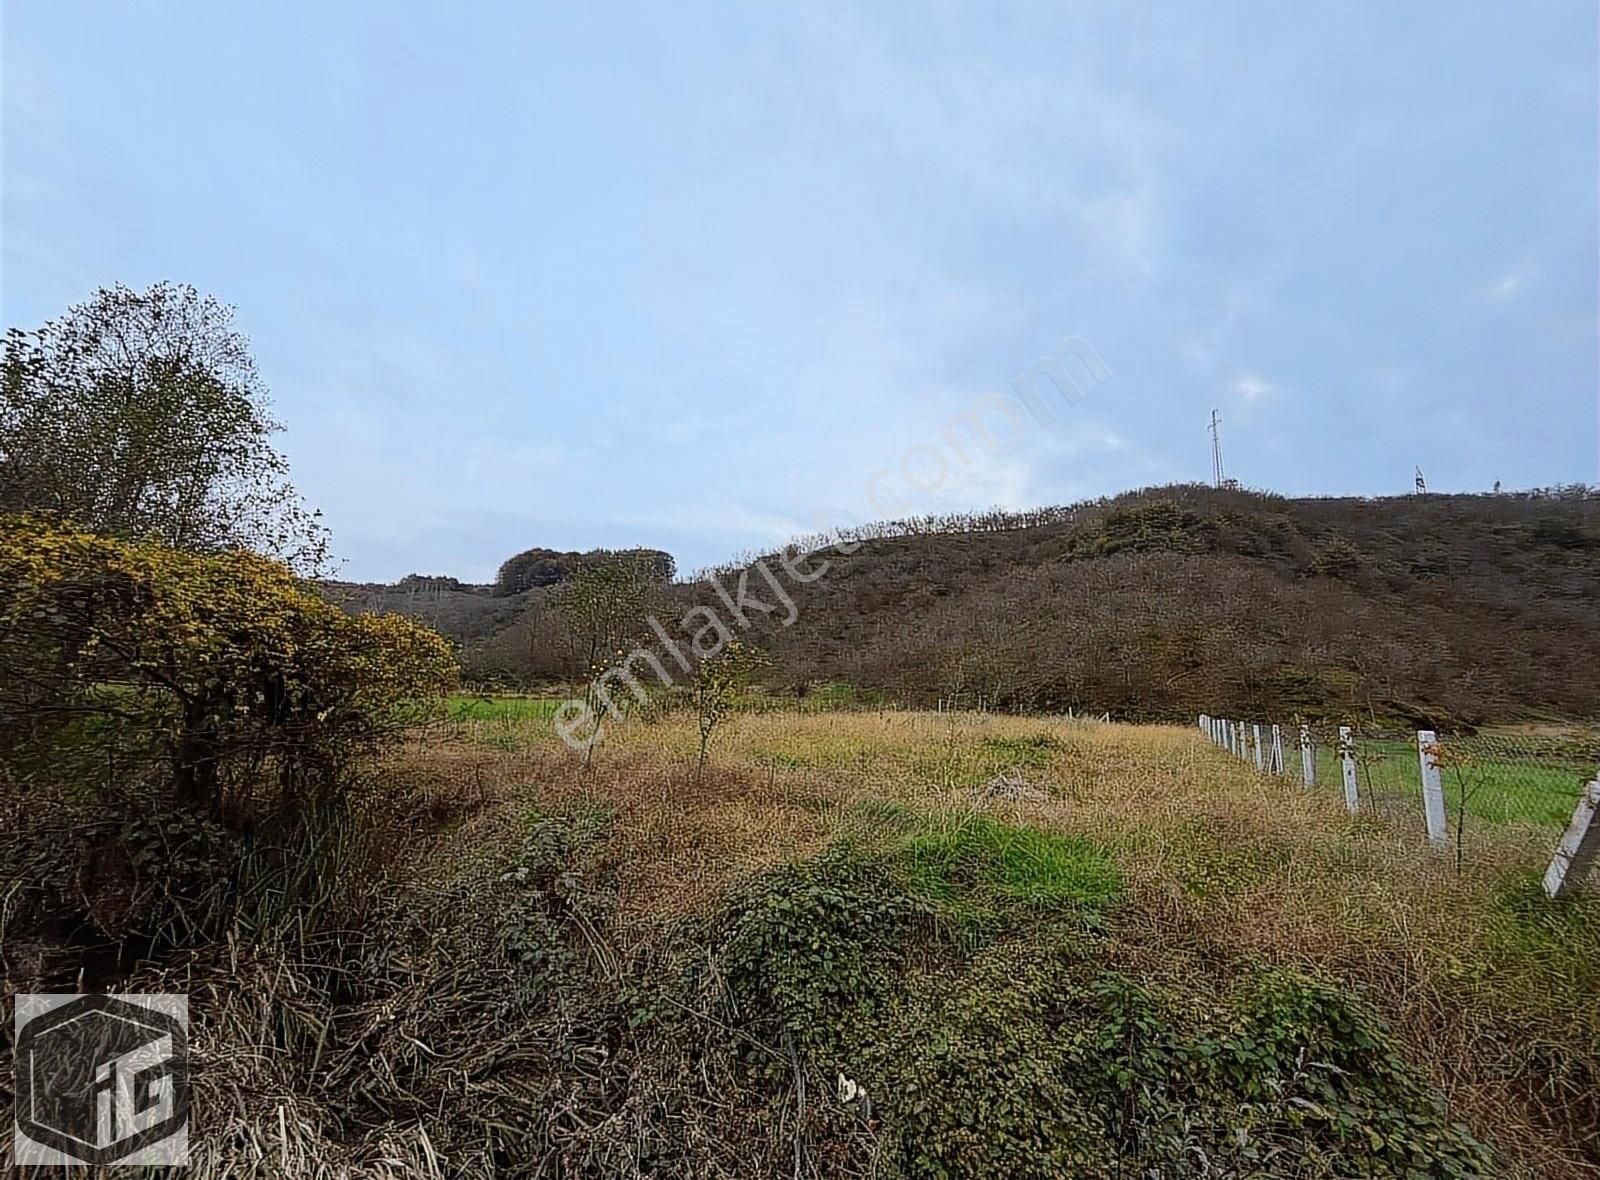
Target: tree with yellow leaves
x,y
220,677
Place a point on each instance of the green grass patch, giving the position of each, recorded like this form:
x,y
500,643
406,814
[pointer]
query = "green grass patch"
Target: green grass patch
x,y
470,707
979,858
1554,944
965,766
1498,790
840,694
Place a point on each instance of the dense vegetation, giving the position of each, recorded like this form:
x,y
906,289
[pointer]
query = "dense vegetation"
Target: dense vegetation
x,y
141,414
471,613
1164,603
168,721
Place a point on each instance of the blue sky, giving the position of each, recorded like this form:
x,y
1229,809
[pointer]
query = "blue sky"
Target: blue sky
x,y
589,275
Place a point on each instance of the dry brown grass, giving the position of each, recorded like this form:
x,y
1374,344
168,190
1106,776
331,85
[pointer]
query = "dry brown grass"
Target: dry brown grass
x,y
1225,868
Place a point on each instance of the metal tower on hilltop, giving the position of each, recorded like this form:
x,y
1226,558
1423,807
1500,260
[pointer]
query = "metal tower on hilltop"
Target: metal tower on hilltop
x,y
1217,475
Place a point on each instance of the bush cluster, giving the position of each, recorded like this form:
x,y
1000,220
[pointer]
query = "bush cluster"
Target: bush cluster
x,y
1031,1057
168,712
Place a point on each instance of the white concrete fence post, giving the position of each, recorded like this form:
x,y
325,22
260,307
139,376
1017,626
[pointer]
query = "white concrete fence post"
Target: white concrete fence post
x,y
1308,761
1277,749
1347,757
1261,757
1579,848
1432,788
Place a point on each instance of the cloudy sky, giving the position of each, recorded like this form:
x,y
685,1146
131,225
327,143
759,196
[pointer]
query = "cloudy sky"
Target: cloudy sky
x,y
701,277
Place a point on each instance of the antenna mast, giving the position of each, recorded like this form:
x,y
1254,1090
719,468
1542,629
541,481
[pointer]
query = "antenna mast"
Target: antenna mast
x,y
1217,474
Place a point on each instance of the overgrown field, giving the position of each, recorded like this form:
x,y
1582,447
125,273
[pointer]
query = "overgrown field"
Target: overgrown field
x,y
891,944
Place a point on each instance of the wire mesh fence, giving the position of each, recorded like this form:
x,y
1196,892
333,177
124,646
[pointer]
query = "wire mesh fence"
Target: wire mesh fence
x,y
1447,786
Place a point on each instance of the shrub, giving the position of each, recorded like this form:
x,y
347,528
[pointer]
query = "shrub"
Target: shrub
x,y
1156,525
1039,1062
220,674
715,690
1336,558
558,882
1029,1056
806,949
177,734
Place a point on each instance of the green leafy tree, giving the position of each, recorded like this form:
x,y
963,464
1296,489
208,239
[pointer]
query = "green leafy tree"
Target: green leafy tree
x,y
140,414
603,605
533,568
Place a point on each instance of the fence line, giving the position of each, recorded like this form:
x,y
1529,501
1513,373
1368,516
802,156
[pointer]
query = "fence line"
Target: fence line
x,y
1547,783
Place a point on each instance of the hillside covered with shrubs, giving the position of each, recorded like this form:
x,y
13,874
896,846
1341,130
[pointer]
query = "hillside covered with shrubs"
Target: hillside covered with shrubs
x,y
1165,602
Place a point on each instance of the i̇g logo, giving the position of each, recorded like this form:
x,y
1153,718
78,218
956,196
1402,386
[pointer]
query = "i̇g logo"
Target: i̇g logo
x,y
102,1079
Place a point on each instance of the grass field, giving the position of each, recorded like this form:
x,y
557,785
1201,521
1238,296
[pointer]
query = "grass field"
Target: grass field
x,y
1039,946
475,707
1198,867
1498,780
1502,780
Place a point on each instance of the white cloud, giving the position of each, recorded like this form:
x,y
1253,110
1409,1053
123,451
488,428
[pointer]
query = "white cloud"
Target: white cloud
x,y
1252,387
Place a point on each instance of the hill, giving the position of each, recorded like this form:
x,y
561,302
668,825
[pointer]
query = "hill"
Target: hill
x,y
471,612
1165,602
1173,601
831,943
465,612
